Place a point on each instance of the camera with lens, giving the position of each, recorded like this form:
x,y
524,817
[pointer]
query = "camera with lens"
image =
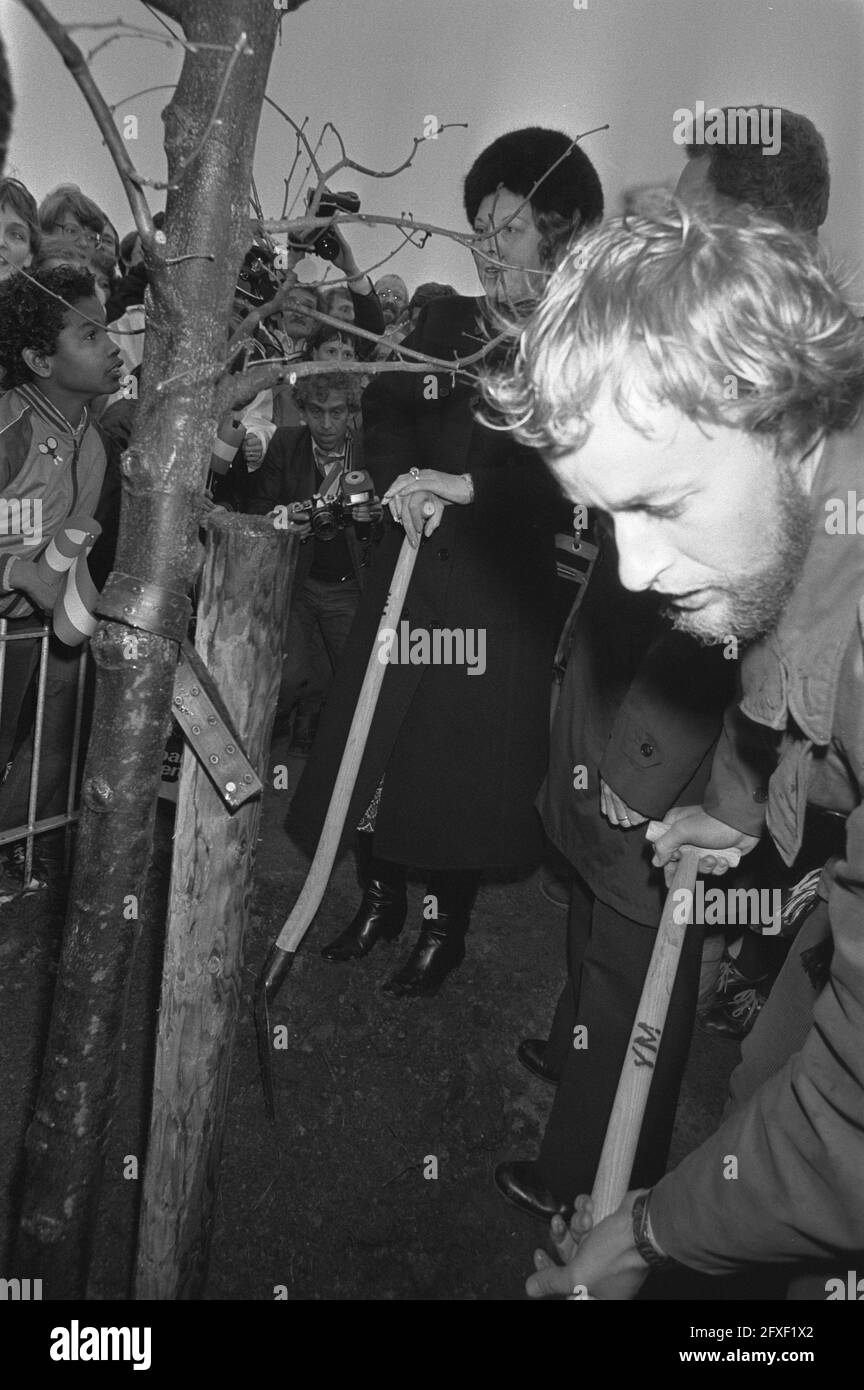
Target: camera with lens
x,y
354,505
256,279
325,243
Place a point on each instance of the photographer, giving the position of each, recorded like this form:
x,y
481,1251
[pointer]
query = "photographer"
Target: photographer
x,y
302,461
290,329
330,245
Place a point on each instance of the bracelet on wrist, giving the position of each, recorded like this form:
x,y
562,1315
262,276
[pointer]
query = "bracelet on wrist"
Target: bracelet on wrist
x,y
470,481
643,1237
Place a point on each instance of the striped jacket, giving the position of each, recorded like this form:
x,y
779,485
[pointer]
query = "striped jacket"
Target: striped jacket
x,y
47,472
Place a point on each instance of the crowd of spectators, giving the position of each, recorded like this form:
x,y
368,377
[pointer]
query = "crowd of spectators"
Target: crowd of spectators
x,y
454,771
41,245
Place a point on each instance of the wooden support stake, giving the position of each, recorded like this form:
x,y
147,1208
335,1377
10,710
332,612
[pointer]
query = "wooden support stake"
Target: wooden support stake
x,y
245,591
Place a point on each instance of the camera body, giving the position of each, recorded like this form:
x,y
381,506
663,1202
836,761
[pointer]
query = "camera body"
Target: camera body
x,y
255,279
324,243
354,505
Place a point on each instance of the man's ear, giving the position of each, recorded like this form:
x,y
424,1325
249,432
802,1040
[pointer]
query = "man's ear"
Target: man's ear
x,y
38,362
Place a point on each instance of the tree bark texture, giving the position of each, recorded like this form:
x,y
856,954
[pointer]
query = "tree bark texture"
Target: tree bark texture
x,y
164,469
244,600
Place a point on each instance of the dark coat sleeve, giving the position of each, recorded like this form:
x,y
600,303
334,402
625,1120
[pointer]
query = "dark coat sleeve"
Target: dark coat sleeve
x,y
367,314
278,482
799,1138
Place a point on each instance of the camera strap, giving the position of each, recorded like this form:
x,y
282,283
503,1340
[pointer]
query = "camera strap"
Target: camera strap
x,y
341,465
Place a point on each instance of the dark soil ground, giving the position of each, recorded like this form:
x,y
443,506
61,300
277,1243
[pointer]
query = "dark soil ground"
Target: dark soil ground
x,y
333,1202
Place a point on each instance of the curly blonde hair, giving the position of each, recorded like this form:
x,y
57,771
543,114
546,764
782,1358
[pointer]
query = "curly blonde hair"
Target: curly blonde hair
x,y
732,320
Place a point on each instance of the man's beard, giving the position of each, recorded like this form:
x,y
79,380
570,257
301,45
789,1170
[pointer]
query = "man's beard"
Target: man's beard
x,y
754,602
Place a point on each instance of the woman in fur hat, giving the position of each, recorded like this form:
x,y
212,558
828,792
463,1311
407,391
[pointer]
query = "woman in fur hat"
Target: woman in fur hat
x,y
457,747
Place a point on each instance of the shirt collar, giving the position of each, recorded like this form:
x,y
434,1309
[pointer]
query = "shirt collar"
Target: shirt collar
x,y
795,670
326,458
49,412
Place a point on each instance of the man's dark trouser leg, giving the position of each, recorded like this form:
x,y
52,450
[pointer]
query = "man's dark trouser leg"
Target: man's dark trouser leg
x,y
613,968
305,667
320,621
560,1039
337,605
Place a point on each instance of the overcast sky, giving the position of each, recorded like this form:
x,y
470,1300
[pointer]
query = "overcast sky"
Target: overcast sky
x,y
378,68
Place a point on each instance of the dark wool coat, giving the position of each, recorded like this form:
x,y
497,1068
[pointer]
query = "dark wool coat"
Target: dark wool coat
x,y
642,708
462,755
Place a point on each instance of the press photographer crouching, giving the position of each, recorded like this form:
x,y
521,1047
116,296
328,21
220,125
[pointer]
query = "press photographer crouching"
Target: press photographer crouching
x,y
303,463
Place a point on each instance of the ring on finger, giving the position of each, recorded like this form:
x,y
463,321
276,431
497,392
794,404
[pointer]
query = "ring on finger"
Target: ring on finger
x,y
414,472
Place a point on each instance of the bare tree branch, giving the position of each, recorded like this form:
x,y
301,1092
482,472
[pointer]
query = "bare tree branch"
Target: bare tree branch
x,y
299,131
405,359
134,31
293,167
75,62
144,92
242,387
470,240
174,9
153,9
344,162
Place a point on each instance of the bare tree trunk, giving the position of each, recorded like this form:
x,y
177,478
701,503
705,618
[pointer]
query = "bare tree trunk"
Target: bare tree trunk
x,y
211,161
244,600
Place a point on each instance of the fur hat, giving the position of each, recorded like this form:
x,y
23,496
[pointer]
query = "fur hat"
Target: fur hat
x,y
518,159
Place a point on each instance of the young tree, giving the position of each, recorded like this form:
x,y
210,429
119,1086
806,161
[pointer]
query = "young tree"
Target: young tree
x,y
210,131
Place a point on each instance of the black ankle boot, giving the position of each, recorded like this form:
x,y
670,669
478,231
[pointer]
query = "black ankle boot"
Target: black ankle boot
x,y
380,914
441,944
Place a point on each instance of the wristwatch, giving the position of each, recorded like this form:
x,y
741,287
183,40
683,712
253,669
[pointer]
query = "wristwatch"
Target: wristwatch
x,y
643,1237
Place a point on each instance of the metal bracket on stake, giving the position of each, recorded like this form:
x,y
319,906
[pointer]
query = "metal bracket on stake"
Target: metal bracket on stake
x,y
206,724
196,705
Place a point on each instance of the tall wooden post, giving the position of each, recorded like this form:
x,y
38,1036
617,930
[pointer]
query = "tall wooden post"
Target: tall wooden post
x,y
244,599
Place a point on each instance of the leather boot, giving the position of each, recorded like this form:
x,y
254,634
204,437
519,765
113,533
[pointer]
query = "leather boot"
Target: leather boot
x,y
381,912
441,944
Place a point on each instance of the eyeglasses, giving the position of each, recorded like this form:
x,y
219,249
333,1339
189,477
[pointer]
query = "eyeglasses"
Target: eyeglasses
x,y
73,233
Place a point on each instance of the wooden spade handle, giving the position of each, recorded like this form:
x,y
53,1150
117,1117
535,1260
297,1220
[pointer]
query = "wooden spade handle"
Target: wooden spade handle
x,y
625,1122
297,924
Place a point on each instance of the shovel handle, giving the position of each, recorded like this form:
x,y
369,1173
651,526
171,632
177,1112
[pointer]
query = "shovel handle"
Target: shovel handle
x,y
297,923
625,1122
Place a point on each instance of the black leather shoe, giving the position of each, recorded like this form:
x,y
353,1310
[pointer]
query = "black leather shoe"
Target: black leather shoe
x,y
435,954
441,944
380,916
532,1054
518,1182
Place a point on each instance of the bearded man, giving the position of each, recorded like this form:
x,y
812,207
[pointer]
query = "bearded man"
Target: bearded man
x,y
700,381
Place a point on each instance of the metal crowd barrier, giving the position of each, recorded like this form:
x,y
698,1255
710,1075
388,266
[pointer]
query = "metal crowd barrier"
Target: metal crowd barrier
x,y
33,827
